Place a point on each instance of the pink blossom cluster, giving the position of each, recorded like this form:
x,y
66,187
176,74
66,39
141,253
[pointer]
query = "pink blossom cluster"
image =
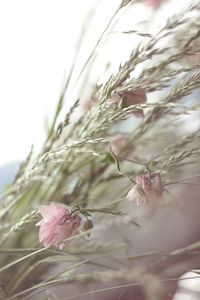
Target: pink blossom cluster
x,y
146,188
58,224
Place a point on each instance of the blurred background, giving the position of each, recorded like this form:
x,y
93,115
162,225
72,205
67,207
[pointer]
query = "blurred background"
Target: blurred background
x,y
38,42
38,46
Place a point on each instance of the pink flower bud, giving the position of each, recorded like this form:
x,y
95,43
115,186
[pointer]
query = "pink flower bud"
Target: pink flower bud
x,y
88,225
57,225
146,189
153,3
117,142
156,184
195,58
137,96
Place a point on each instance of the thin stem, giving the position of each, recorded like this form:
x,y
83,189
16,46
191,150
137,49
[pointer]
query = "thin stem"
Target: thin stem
x,y
94,49
60,281
181,180
20,260
118,168
124,286
61,98
137,162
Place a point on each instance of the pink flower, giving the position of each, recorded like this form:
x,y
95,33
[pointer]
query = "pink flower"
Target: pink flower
x,y
146,189
153,3
195,58
117,142
57,225
137,96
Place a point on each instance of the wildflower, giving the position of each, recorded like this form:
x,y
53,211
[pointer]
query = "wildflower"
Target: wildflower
x,y
117,142
195,57
146,188
137,96
57,225
153,3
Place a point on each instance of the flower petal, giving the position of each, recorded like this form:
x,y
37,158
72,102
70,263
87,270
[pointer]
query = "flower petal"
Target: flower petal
x,y
57,225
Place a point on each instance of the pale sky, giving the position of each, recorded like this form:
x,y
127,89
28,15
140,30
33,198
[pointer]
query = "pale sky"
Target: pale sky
x,y
37,46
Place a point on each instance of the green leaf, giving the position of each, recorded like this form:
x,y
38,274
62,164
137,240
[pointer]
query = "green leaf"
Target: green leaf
x,y
108,158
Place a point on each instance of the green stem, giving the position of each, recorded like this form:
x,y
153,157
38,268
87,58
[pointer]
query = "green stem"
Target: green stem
x,y
20,259
95,47
118,168
61,98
